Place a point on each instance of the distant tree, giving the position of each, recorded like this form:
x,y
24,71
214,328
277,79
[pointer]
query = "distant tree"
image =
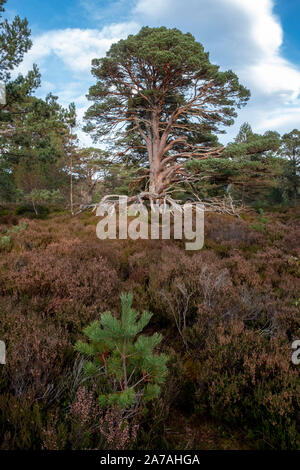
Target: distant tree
x,y
71,121
90,168
35,134
291,150
42,196
161,86
249,145
14,43
248,165
33,154
244,133
100,173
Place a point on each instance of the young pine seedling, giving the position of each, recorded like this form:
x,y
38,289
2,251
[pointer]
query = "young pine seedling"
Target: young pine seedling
x,y
125,358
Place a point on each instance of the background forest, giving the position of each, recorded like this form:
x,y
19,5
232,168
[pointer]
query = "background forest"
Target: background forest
x,y
210,366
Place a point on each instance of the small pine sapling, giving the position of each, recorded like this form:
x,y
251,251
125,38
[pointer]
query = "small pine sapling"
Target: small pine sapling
x,y
262,221
117,351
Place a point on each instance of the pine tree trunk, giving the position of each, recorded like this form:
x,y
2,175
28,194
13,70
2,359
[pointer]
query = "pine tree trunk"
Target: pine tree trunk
x,y
155,156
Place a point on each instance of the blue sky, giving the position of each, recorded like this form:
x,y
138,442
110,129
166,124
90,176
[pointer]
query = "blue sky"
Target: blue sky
x,y
289,14
53,14
258,39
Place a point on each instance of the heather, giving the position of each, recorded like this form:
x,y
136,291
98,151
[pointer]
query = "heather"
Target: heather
x,y
228,315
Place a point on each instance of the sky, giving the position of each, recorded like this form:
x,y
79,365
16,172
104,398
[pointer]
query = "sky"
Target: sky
x,y
258,39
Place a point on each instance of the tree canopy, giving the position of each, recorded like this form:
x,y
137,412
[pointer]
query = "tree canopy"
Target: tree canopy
x,y
291,150
247,167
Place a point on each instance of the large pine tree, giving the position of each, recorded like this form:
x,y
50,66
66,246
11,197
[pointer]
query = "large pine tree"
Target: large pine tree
x,y
161,86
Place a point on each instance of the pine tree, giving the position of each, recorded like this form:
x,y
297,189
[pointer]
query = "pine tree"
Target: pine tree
x,y
249,167
161,85
244,133
126,359
290,149
14,43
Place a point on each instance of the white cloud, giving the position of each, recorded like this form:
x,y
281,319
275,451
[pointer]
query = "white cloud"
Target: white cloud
x,y
153,9
275,119
75,47
243,35
265,28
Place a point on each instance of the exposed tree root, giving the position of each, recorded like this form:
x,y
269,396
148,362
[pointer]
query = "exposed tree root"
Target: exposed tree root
x,y
163,202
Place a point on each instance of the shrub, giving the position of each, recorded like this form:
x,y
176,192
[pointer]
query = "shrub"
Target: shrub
x,y
41,211
249,380
35,352
5,241
65,274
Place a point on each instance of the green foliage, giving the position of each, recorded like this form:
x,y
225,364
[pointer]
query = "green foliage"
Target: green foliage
x,y
252,145
117,350
14,42
260,226
17,228
249,168
290,149
44,195
5,241
33,131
